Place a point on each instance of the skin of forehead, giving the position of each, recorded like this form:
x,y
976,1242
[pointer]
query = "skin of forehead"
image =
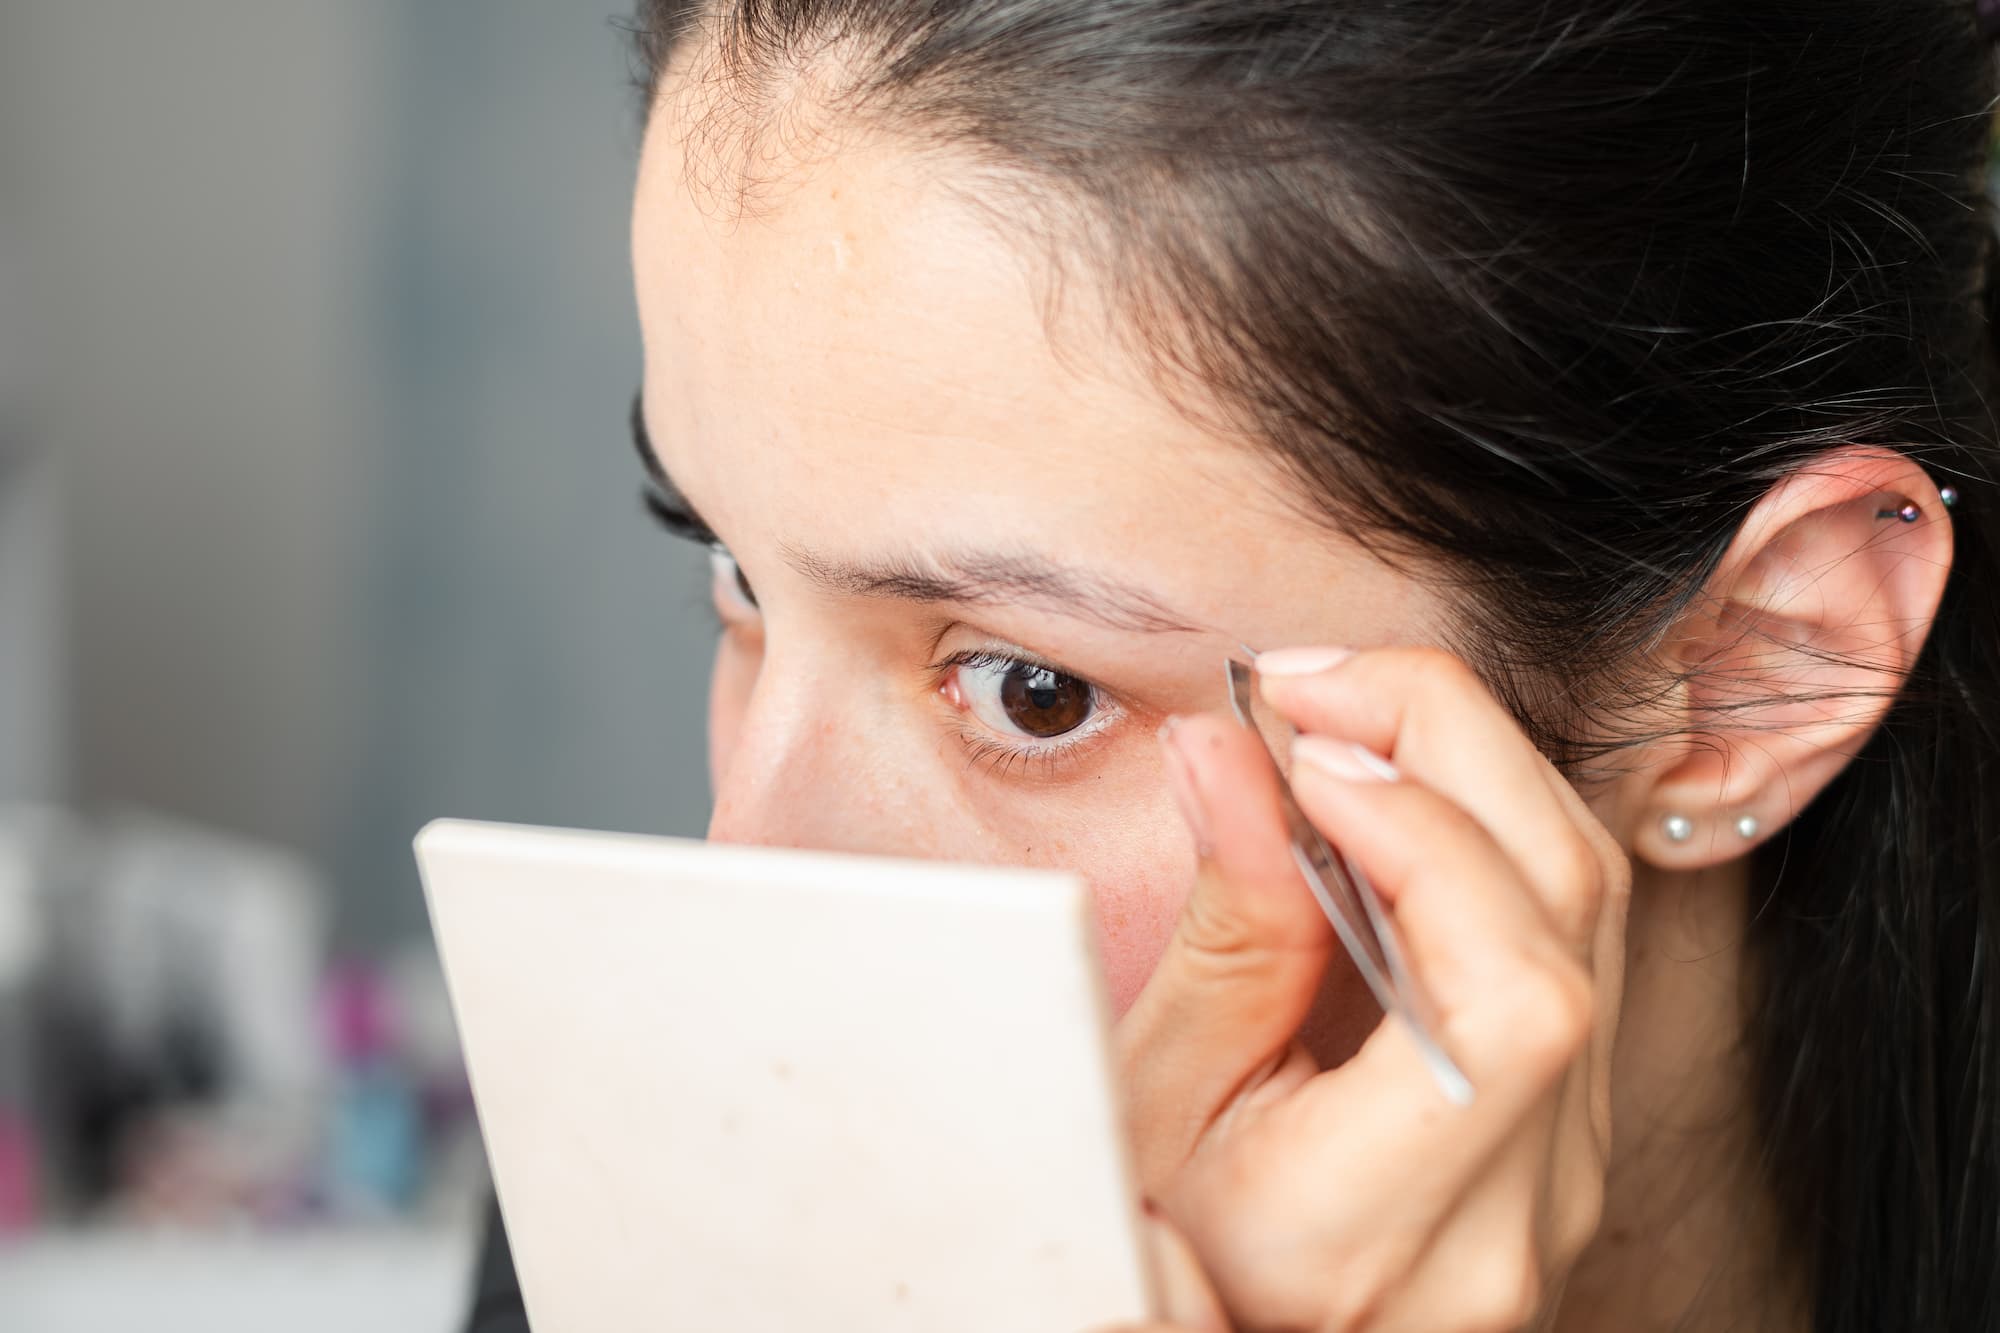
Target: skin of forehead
x,y
873,223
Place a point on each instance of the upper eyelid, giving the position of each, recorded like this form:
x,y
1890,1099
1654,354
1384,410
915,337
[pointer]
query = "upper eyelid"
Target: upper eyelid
x,y
662,497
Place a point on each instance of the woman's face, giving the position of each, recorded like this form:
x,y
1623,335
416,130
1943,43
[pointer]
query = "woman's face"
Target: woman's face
x,y
974,558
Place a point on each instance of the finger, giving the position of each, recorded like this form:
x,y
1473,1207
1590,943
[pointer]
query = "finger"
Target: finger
x,y
1240,970
1437,722
1515,1009
1592,1095
1608,969
1497,972
1184,1294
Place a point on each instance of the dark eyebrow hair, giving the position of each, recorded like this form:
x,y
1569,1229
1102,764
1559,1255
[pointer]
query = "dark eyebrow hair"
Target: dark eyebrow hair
x,y
991,578
971,578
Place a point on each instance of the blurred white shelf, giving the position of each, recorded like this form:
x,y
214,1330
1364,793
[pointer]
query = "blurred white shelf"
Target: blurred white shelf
x,y
385,1280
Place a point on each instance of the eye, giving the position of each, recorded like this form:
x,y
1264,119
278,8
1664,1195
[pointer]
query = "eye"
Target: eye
x,y
1027,709
732,590
1033,699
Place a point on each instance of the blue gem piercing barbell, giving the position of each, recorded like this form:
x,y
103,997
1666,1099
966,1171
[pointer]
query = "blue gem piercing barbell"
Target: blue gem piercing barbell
x,y
1910,513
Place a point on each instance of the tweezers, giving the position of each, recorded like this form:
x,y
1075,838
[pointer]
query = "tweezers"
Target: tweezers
x,y
1356,911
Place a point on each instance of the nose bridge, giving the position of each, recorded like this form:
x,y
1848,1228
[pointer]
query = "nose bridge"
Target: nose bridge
x,y
791,765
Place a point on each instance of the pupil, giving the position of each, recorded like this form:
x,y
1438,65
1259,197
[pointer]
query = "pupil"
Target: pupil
x,y
1042,702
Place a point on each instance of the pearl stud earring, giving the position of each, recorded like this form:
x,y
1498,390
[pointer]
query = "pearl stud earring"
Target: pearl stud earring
x,y
1746,826
1678,828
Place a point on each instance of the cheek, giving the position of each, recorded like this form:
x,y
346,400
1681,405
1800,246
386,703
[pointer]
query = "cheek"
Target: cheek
x,y
1137,892
729,685
1138,875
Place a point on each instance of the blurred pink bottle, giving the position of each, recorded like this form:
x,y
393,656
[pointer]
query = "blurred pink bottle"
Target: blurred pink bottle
x,y
17,1174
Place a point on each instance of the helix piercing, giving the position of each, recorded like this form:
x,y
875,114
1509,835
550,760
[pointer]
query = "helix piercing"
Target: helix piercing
x,y
1910,513
1678,828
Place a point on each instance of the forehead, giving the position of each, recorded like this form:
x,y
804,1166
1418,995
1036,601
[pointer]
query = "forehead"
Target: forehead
x,y
863,354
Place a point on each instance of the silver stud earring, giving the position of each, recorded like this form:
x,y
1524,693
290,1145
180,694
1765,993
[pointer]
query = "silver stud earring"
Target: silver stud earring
x,y
1678,828
1746,826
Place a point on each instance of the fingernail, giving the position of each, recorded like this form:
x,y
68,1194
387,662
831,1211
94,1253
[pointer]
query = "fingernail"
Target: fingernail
x,y
1187,794
1300,661
1343,759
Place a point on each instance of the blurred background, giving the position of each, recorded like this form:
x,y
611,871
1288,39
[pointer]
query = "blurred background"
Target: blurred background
x,y
318,519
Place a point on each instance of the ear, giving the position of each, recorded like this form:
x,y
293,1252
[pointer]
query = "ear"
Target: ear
x,y
1802,636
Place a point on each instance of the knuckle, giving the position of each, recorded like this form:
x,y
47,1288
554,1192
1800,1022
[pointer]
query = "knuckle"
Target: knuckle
x,y
1434,670
1219,939
1505,1293
1554,1008
1577,1220
1576,884
1359,1296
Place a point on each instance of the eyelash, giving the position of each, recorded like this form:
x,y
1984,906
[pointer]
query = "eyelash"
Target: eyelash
x,y
983,748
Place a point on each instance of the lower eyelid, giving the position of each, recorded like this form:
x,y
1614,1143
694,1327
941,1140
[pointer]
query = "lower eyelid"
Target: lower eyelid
x,y
1001,756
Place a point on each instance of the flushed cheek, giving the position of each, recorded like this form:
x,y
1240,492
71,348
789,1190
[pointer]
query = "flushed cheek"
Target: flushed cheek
x,y
1136,908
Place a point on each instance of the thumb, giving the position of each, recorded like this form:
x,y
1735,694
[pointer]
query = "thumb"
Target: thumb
x,y
1247,953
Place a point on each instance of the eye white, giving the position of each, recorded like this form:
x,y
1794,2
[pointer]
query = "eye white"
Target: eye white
x,y
729,579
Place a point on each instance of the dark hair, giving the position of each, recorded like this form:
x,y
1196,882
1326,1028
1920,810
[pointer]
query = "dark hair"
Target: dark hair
x,y
1545,297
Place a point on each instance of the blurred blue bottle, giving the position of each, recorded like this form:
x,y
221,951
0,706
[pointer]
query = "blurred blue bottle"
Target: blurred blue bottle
x,y
374,1157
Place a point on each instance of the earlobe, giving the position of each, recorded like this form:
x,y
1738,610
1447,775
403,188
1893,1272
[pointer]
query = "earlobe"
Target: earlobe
x,y
1786,663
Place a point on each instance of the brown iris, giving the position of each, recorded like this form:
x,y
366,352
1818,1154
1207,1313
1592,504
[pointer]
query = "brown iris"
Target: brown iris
x,y
1043,703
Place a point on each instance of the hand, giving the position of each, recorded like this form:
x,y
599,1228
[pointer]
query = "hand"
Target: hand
x,y
1358,1197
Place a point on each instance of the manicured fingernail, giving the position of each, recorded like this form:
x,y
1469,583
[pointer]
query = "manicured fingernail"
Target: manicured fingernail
x,y
1343,759
1300,661
1187,794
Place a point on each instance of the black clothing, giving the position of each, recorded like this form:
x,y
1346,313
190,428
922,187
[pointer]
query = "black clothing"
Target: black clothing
x,y
496,1292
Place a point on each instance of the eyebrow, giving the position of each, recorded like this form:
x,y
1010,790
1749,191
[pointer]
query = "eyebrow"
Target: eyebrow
x,y
968,578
